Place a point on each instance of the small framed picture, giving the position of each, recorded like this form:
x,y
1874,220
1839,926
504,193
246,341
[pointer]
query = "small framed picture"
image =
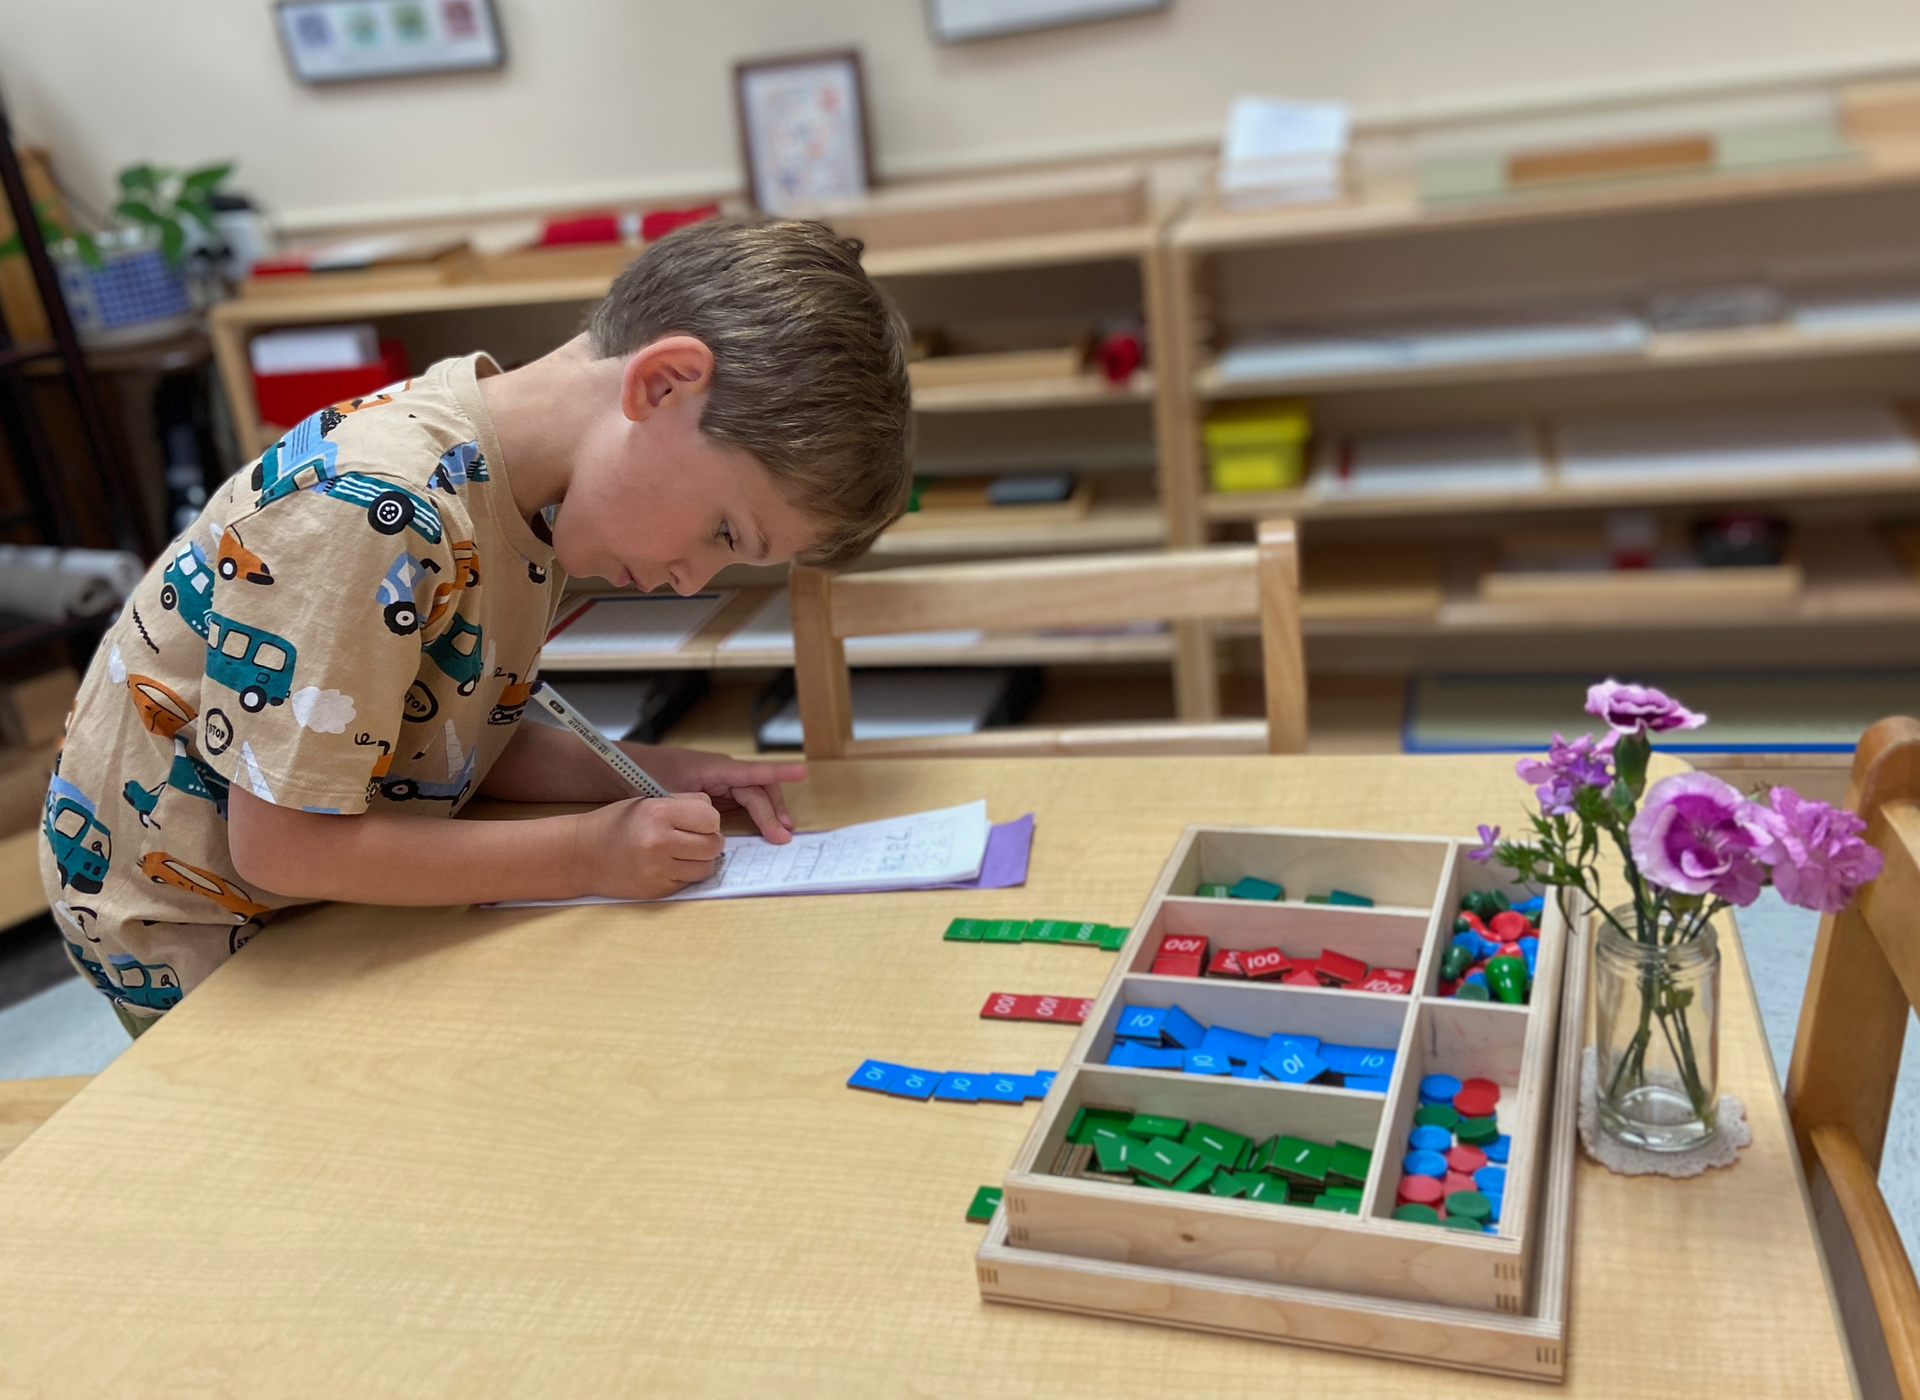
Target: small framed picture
x,y
336,41
803,130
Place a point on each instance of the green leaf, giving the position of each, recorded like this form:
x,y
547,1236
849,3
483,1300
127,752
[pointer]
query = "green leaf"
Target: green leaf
x,y
173,242
1630,762
139,213
200,212
201,182
136,178
13,245
88,249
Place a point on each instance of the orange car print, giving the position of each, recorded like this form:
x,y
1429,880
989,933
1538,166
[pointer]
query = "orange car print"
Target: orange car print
x,y
442,600
513,700
235,560
164,869
466,564
161,711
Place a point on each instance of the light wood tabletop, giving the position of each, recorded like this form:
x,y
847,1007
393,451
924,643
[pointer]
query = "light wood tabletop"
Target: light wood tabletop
x,y
608,1151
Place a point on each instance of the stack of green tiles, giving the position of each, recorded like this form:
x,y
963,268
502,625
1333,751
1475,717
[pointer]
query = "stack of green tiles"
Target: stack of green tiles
x,y
1173,1154
1081,933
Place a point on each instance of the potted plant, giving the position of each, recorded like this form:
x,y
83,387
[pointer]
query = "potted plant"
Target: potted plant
x,y
130,282
1690,847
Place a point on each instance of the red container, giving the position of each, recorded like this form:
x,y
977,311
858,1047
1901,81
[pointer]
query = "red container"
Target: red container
x,y
284,399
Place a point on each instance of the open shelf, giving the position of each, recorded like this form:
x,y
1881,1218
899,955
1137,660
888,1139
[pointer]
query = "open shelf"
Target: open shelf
x,y
1064,391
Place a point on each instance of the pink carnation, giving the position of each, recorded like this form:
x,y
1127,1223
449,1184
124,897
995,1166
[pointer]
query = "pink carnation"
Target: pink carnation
x,y
1698,835
1818,857
1631,708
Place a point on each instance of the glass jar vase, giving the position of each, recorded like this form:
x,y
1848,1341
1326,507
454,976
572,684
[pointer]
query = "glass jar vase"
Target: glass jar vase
x,y
1657,1033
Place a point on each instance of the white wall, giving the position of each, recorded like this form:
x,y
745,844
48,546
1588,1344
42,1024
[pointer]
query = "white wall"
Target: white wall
x,y
626,99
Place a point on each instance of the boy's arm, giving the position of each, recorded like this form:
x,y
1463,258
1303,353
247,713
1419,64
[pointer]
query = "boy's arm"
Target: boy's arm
x,y
544,764
638,849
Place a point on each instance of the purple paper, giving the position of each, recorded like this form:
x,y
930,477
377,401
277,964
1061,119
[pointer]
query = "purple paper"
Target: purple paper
x,y
1009,844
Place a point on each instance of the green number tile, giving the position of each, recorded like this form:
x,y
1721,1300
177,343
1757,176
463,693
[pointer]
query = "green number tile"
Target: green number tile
x,y
1345,1193
1477,1132
1196,1176
1253,887
1439,1115
1005,931
1092,1116
1109,1132
1113,938
1163,1159
1217,1143
1082,935
1318,899
1115,1153
1245,1161
1212,891
1268,1189
1262,1156
1151,1125
984,1200
1358,901
1349,1164
1339,1203
965,930
1058,930
1300,1160
1226,1183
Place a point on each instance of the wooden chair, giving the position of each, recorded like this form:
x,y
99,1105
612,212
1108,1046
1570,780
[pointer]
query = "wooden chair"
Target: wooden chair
x,y
1095,590
27,1103
1864,980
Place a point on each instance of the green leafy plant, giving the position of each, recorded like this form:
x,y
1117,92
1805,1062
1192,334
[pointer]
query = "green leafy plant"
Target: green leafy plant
x,y
52,233
168,201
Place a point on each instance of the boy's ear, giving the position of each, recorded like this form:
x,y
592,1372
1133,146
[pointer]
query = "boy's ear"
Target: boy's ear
x,y
656,372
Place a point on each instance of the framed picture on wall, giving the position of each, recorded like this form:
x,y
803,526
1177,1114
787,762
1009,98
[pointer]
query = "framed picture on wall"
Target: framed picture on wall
x,y
954,21
335,41
803,130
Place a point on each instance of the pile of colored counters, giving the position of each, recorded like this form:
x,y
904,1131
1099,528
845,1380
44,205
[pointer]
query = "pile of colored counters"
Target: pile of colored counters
x,y
1494,946
1455,1171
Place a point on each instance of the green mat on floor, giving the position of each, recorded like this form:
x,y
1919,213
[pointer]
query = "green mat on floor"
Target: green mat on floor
x,y
1751,712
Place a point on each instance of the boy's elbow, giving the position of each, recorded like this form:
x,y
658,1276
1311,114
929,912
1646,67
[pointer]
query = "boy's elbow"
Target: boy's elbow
x,y
271,847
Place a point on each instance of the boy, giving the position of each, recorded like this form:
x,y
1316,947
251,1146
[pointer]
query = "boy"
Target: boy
x,y
343,642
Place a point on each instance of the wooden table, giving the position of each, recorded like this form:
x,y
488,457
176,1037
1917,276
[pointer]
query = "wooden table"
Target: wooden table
x,y
608,1151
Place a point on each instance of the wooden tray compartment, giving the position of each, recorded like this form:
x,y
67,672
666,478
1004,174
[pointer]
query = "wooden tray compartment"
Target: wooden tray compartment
x,y
1392,937
1395,872
1416,881
1525,1339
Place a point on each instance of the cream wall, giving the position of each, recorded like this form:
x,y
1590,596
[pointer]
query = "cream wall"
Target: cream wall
x,y
631,99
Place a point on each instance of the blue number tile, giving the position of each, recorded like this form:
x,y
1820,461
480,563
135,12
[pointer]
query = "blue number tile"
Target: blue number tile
x,y
1207,1062
1294,1066
873,1075
1143,1023
914,1083
958,1088
1178,1028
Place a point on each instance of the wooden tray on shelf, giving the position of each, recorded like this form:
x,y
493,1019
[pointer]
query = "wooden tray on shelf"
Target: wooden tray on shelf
x,y
1369,1283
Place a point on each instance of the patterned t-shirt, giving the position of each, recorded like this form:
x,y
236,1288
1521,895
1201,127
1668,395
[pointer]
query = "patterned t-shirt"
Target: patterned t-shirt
x,y
352,624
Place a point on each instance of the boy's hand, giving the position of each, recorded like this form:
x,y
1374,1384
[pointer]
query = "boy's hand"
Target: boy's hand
x,y
646,847
732,783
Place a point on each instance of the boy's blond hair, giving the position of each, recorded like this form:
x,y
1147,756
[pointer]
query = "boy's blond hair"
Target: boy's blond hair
x,y
809,363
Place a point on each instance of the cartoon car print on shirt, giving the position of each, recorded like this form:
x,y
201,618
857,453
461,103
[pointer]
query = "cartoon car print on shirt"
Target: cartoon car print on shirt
x,y
466,564
94,970
250,661
186,586
82,845
143,800
512,702
395,593
164,869
299,461
390,508
334,415
189,775
457,652
160,707
410,789
459,465
234,560
155,986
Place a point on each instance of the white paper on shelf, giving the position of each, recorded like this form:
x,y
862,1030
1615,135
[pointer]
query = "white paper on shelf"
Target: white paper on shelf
x,y
771,629
1305,354
900,853
905,705
633,622
312,349
1857,309
1825,438
1478,457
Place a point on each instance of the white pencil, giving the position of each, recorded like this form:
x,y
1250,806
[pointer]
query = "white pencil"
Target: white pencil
x,y
549,700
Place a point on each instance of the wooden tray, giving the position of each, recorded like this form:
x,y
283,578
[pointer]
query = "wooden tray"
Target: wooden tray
x,y
1367,1282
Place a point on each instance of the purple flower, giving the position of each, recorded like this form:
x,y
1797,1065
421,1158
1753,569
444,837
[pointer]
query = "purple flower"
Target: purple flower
x,y
1698,835
1631,708
1818,859
1566,769
1489,838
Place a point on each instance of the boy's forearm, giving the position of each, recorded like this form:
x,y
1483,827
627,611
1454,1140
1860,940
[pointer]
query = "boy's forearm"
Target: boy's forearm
x,y
373,858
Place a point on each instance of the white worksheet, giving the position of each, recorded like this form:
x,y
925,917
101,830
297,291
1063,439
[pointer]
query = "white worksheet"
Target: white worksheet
x,y
900,853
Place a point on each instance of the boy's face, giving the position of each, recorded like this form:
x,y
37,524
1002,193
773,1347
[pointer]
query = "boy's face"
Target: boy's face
x,y
655,502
